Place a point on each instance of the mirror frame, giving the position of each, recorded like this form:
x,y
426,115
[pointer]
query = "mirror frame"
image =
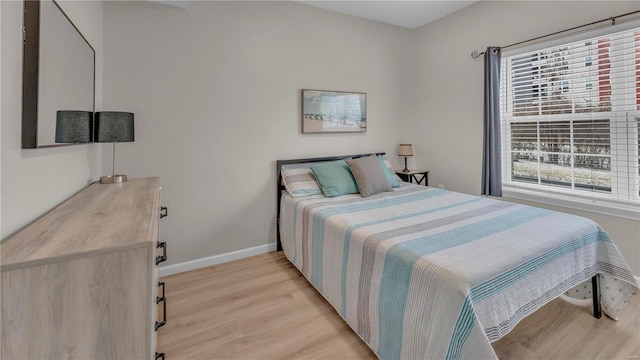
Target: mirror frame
x,y
30,73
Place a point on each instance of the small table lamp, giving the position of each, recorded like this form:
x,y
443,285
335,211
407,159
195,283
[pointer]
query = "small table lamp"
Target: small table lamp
x,y
113,127
73,126
405,150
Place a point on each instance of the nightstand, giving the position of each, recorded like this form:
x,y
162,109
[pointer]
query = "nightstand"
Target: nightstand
x,y
410,176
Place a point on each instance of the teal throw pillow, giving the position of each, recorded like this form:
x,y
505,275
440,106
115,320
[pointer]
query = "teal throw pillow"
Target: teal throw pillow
x,y
388,172
335,178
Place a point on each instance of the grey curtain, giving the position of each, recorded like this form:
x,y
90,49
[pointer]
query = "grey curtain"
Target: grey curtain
x,y
491,160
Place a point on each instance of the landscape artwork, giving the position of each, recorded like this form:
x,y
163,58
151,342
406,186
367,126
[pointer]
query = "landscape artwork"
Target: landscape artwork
x,y
333,111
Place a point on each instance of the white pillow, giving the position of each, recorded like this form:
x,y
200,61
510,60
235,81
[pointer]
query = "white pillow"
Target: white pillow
x,y
300,182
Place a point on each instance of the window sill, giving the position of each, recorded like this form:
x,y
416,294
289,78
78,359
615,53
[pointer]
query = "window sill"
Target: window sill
x,y
622,209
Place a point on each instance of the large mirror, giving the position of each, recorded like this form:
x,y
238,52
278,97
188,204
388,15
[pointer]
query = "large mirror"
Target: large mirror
x,y
58,71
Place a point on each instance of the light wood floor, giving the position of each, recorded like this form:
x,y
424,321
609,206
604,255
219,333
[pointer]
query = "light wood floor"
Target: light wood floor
x,y
262,308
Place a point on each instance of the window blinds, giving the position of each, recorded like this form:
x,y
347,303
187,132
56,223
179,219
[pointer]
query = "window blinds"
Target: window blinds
x,y
570,117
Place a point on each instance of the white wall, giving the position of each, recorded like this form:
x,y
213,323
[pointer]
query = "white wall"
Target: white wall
x,y
449,91
34,181
215,89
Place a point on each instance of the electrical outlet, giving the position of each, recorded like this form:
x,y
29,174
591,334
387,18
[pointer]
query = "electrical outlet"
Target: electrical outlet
x,y
441,186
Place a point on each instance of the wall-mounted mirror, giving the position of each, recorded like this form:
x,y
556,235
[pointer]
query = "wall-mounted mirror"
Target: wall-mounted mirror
x,y
58,71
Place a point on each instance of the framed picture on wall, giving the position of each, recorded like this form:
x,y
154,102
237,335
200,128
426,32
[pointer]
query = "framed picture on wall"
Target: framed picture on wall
x,y
333,111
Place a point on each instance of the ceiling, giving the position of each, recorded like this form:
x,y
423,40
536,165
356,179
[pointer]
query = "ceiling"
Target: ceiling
x,y
407,14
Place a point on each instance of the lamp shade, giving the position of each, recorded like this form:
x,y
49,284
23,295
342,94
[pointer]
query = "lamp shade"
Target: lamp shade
x,y
73,126
405,150
114,126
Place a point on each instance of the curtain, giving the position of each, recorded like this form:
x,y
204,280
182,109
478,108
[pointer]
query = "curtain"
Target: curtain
x,y
491,160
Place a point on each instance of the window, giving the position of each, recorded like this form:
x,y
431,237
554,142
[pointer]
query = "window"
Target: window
x,y
589,84
570,120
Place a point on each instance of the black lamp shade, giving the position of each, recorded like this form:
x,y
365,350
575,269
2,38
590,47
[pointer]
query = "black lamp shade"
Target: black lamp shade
x,y
73,126
114,126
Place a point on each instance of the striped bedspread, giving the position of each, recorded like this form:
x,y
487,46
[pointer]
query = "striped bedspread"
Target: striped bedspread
x,y
423,273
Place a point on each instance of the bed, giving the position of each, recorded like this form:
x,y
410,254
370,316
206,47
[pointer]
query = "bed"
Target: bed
x,y
420,272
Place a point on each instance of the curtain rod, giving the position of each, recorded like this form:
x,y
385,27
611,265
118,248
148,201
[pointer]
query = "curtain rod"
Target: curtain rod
x,y
476,54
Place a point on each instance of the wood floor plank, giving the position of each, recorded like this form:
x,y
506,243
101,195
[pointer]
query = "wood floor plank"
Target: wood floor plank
x,y
262,308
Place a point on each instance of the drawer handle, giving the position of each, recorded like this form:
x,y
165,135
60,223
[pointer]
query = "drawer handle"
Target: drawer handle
x,y
159,355
162,299
164,212
163,257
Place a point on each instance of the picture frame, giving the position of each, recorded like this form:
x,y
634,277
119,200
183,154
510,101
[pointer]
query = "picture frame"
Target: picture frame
x,y
333,111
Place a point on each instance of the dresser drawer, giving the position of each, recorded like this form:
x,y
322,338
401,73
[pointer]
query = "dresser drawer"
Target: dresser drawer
x,y
161,300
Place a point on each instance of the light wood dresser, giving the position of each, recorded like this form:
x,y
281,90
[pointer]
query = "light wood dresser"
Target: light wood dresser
x,y
81,282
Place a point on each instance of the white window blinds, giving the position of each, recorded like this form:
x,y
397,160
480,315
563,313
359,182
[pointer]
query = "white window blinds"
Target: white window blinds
x,y
570,118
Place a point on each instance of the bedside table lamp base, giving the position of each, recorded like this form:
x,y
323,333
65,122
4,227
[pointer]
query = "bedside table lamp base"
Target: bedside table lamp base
x,y
405,150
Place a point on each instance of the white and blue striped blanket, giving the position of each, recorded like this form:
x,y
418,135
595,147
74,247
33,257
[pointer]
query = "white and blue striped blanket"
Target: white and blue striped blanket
x,y
423,273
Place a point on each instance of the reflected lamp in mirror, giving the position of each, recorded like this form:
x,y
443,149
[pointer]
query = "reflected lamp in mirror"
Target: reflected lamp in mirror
x,y
405,150
74,127
58,66
113,127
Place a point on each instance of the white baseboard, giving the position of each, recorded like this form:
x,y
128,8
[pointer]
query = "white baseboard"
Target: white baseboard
x,y
215,260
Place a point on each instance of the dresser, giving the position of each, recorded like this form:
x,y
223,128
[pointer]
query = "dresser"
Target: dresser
x,y
81,282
